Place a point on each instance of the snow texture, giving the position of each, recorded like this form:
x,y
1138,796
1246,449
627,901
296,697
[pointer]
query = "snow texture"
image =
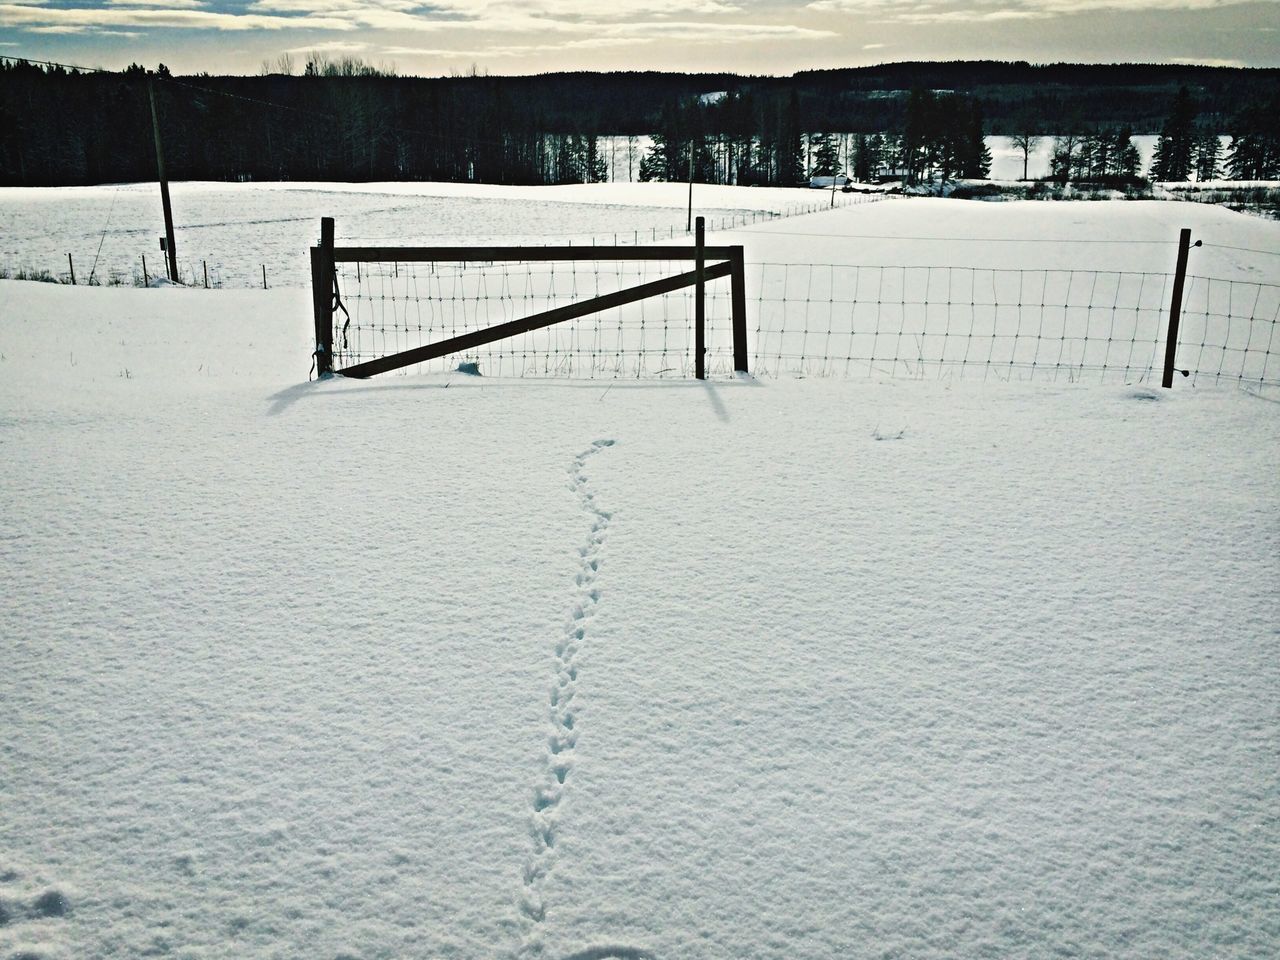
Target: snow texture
x,y
450,666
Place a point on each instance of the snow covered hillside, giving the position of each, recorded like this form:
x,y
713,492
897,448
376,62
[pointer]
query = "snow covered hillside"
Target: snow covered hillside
x,y
446,666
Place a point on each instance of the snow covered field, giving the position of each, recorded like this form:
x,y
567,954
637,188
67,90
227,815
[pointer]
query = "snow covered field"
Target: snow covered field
x,y
443,666
237,229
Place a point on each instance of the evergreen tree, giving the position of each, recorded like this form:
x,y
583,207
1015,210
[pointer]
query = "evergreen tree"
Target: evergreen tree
x,y
917,145
976,159
1208,155
826,159
653,165
790,152
662,162
1174,153
595,170
893,154
860,159
1091,161
1255,142
1065,157
1126,157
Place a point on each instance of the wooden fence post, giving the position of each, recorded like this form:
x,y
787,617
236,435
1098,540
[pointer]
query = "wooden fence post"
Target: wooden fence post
x,y
738,279
322,297
146,281
170,247
1175,306
700,302
205,264
72,267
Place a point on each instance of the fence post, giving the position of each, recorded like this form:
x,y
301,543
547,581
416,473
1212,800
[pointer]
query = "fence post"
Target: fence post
x,y
1175,306
738,280
72,267
205,265
700,302
264,276
146,281
321,297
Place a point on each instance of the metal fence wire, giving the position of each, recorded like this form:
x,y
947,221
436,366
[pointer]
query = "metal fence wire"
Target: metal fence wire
x,y
822,320
833,320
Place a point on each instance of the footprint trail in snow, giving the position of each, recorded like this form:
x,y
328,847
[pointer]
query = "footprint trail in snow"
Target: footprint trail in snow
x,y
562,733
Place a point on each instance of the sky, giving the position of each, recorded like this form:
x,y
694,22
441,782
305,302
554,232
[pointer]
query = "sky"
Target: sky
x,y
442,37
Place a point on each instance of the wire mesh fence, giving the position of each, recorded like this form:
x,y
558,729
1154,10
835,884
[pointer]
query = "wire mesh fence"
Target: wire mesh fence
x,y
916,321
838,320
390,307
1228,330
821,320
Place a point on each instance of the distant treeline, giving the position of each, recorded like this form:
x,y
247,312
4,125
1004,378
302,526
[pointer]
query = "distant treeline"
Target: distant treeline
x,y
345,120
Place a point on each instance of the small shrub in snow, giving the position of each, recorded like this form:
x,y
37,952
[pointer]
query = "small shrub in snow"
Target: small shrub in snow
x,y
23,273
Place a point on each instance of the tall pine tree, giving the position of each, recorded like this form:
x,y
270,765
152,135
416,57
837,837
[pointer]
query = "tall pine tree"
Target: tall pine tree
x,y
1175,151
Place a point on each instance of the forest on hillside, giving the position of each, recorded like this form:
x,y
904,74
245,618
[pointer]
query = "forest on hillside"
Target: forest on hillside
x,y
342,119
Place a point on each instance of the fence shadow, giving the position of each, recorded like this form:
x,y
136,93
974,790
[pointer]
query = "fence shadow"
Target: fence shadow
x,y
611,953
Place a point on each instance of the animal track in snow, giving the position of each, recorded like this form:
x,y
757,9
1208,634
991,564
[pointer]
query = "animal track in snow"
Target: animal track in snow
x,y
562,735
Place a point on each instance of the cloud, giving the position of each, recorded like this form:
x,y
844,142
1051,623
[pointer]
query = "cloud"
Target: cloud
x,y
716,32
42,19
459,29
166,4
496,11
994,11
331,46
516,50
1207,62
491,16
874,46
607,36
543,17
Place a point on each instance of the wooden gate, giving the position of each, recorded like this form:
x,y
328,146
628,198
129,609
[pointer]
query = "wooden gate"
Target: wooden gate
x,y
710,263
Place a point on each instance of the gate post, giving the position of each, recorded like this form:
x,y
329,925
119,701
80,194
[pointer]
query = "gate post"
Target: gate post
x,y
699,303
322,297
738,279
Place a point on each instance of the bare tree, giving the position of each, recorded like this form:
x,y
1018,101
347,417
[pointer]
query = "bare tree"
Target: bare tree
x,y
1026,142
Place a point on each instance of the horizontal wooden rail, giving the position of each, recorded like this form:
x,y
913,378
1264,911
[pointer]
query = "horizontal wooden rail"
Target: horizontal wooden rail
x,y
518,254
478,338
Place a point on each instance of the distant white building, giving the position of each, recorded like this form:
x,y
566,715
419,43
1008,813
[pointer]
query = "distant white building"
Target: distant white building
x,y
825,182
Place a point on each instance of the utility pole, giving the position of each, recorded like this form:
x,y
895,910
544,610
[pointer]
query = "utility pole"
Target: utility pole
x,y
170,248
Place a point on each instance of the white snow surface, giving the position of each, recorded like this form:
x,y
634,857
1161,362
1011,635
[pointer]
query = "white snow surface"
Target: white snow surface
x,y
446,666
236,229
